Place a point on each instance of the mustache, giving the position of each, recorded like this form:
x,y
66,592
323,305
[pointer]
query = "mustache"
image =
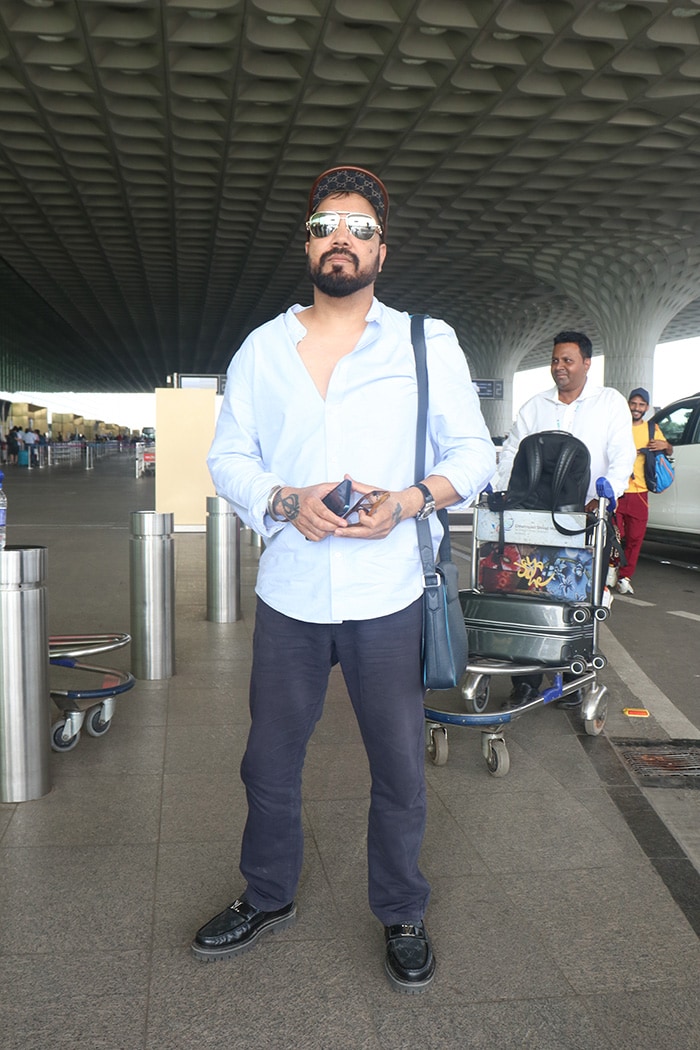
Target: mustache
x,y
339,251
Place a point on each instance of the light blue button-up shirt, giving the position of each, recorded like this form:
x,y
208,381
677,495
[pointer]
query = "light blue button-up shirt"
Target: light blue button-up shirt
x,y
275,429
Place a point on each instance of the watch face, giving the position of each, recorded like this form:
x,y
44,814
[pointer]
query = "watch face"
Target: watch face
x,y
427,509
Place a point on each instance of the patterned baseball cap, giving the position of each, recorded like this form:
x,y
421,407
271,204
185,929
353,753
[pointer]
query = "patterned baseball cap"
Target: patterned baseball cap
x,y
348,179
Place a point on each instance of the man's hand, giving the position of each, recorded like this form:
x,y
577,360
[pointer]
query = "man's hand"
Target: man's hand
x,y
304,509
384,511
661,445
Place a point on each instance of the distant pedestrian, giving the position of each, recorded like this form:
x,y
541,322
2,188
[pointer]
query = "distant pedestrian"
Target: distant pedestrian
x,y
633,507
30,441
12,445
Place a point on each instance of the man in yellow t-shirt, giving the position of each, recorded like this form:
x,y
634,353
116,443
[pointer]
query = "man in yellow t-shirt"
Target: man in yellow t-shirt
x,y
633,507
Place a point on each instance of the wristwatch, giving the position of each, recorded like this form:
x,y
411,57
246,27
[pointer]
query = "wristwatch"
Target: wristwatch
x,y
429,505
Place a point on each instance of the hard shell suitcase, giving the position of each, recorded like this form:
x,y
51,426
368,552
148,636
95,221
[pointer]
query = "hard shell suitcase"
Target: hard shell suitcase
x,y
527,629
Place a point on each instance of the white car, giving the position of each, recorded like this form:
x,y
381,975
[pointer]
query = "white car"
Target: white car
x,y
674,515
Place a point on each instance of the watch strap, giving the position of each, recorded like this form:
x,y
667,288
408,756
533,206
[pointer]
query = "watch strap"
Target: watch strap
x,y
427,494
429,501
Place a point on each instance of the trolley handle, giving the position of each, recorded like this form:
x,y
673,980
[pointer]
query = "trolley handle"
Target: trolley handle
x,y
85,644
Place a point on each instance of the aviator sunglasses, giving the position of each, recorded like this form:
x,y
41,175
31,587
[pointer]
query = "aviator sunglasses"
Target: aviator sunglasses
x,y
324,223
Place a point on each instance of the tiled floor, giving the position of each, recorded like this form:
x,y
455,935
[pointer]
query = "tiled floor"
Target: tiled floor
x,y
552,922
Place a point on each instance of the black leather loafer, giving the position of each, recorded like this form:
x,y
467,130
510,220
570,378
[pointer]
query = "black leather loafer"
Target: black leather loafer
x,y
237,929
409,963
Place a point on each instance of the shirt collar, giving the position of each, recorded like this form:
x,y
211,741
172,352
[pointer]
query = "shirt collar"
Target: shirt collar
x,y
589,390
294,324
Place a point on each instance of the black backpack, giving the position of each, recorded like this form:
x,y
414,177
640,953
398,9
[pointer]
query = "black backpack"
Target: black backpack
x,y
551,471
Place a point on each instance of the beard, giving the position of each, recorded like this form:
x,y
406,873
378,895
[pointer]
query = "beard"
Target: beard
x,y
338,283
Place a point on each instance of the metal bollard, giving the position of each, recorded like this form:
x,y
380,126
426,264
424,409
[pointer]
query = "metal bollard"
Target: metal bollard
x,y
25,715
152,594
223,561
89,456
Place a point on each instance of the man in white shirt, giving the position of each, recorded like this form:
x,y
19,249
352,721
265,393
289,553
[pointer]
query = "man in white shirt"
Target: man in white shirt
x,y
30,440
597,415
316,395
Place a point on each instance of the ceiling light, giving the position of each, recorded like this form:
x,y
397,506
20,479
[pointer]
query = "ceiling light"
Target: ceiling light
x,y
414,61
610,5
50,39
205,15
60,69
685,12
40,3
502,35
432,30
280,20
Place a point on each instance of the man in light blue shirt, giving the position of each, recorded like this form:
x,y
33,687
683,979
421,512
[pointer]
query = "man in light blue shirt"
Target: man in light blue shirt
x,y
317,395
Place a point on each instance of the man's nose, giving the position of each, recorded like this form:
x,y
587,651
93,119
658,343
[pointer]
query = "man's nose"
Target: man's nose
x,y
341,231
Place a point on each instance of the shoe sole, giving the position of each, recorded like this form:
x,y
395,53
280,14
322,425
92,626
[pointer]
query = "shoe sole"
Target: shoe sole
x,y
207,955
407,987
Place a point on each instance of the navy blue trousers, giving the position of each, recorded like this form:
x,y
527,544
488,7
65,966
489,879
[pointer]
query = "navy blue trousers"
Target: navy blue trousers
x,y
380,661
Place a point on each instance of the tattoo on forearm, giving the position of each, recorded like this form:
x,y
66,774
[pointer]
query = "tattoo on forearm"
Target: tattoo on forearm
x,y
396,515
290,507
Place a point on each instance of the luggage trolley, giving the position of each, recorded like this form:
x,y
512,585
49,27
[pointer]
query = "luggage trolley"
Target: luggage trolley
x,y
92,707
530,608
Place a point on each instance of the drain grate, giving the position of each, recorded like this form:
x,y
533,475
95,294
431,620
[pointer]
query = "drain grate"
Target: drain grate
x,y
671,763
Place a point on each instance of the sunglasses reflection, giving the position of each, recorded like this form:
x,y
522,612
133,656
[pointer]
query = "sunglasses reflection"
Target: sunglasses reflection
x,y
324,223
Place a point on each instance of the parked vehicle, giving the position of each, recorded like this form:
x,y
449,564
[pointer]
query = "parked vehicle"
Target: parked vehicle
x,y
674,515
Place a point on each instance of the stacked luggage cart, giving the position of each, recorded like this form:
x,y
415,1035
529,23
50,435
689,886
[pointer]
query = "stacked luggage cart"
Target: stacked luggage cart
x,y
534,605
93,707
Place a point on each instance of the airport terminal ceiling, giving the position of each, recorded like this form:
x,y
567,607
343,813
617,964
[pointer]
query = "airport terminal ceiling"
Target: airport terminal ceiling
x,y
543,158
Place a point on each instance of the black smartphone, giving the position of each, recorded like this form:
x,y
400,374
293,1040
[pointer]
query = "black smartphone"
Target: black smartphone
x,y
338,499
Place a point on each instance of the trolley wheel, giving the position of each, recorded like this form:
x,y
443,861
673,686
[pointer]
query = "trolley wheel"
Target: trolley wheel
x,y
498,761
94,722
57,741
478,703
594,726
438,748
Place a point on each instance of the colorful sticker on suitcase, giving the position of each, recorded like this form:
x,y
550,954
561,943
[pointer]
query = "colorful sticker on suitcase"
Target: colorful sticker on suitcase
x,y
564,573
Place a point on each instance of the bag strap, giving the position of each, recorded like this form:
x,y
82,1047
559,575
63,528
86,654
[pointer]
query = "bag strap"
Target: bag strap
x,y
425,541
566,458
652,429
564,462
533,463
